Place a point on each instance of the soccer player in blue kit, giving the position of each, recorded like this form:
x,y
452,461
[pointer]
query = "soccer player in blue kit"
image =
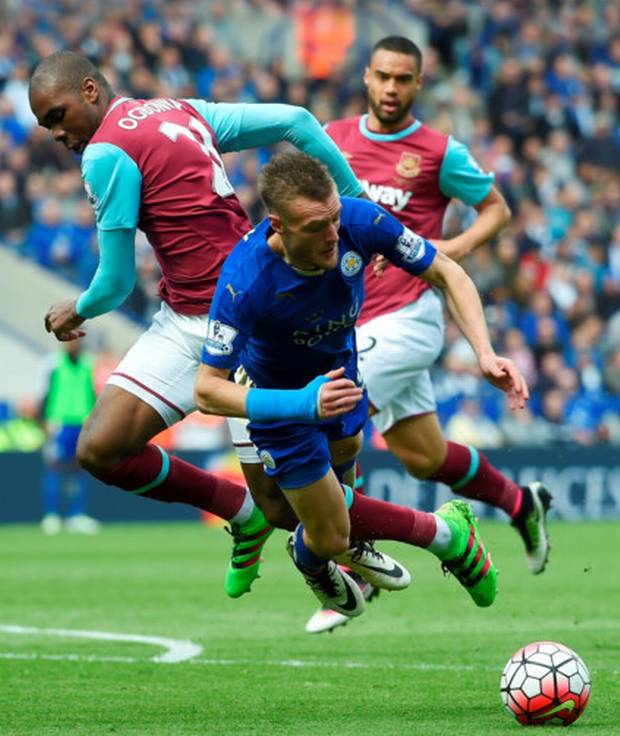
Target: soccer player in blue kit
x,y
282,316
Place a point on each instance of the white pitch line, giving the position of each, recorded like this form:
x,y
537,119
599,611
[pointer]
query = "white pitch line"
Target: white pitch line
x,y
70,657
292,663
300,663
176,650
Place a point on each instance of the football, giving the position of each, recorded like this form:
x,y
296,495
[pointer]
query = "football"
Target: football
x,y
545,683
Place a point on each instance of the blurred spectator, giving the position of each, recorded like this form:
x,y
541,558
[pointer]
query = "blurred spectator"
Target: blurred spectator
x,y
517,350
324,32
532,88
15,92
470,426
22,432
554,413
524,429
612,372
508,102
14,209
48,239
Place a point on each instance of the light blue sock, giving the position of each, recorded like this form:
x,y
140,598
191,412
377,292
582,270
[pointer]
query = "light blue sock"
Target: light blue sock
x,y
348,495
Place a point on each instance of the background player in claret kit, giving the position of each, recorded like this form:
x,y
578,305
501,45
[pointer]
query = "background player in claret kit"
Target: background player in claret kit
x,y
284,311
414,171
156,164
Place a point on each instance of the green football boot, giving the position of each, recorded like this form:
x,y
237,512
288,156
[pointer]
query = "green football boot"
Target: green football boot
x,y
248,541
467,558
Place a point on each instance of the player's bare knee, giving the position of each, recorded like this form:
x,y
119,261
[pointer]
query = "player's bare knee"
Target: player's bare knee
x,y
97,455
425,467
88,453
418,464
93,455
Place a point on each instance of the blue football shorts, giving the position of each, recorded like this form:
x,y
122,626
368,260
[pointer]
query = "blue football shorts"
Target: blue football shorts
x,y
297,454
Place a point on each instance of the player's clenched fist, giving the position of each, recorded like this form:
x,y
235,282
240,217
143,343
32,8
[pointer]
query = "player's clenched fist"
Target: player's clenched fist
x,y
338,395
63,320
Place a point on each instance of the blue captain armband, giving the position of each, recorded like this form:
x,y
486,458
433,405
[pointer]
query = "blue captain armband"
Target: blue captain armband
x,y
275,405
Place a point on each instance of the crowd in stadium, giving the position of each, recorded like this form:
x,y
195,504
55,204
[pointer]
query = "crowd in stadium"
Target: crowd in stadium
x,y
535,100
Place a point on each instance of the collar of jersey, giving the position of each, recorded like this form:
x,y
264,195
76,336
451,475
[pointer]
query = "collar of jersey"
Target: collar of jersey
x,y
301,272
115,104
386,136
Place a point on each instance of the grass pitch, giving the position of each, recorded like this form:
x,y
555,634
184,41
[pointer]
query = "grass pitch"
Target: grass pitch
x,y
423,661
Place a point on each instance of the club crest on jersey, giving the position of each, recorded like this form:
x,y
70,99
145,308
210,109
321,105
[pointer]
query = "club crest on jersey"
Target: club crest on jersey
x,y
219,338
267,460
409,165
411,247
351,263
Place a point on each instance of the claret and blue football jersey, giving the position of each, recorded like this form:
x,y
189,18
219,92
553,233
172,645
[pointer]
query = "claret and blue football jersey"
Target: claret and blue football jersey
x,y
287,326
413,173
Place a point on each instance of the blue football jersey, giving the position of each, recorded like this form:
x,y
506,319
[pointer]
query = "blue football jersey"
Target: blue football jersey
x,y
287,326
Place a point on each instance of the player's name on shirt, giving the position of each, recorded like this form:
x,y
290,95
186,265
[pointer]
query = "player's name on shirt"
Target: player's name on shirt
x,y
141,112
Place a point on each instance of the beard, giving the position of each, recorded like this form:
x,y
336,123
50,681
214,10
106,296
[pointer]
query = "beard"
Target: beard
x,y
400,114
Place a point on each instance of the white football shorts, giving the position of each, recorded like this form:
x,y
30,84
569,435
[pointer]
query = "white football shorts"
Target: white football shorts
x,y
161,367
161,370
395,353
238,428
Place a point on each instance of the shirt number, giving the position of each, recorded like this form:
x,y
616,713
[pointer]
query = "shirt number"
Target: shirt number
x,y
200,135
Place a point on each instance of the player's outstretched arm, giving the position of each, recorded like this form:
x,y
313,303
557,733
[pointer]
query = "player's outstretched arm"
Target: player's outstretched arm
x,y
323,398
241,126
215,394
465,307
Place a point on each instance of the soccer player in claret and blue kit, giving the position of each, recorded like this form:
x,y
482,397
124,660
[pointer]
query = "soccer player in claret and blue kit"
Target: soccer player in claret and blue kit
x,y
283,319
414,172
156,164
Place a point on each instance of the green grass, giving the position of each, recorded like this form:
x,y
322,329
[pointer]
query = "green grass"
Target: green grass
x,y
424,661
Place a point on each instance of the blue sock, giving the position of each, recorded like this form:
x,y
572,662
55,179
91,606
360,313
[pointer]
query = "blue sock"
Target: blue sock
x,y
51,491
305,558
77,498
